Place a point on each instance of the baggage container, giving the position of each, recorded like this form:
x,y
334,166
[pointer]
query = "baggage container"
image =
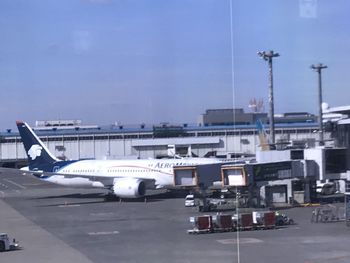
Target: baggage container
x,y
269,220
246,221
201,224
204,222
223,223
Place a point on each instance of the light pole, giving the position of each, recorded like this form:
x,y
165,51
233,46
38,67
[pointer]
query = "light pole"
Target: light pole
x,y
318,68
268,56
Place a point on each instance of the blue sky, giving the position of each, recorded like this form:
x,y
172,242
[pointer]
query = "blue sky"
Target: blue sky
x,y
150,61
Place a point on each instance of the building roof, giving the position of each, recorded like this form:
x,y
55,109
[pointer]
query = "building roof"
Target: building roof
x,y
340,109
112,129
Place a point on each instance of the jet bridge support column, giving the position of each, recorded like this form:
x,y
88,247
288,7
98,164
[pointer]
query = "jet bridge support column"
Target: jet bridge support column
x,y
307,191
252,193
347,208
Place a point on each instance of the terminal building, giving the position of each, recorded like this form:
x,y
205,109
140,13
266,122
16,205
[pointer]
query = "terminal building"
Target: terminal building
x,y
281,176
213,117
79,141
216,136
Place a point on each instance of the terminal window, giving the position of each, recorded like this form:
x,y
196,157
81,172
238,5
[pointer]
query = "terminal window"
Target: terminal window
x,y
336,160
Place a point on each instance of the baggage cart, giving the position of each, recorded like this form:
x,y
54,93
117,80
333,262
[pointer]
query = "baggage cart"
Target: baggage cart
x,y
223,223
201,224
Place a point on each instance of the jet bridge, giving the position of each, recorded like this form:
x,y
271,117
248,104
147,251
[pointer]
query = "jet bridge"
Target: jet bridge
x,y
210,175
233,175
203,175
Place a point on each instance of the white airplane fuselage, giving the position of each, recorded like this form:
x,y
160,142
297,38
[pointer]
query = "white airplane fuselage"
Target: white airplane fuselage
x,y
161,170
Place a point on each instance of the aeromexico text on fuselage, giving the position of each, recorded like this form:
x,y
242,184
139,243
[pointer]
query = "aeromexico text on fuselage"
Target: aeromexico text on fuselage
x,y
151,165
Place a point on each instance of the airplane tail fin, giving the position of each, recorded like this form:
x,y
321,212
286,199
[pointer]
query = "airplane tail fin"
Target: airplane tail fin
x,y
39,157
262,136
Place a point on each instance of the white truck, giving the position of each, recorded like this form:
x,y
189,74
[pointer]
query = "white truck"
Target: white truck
x,y
6,244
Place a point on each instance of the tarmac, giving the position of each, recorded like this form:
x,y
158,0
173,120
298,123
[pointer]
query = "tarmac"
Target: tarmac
x,y
57,224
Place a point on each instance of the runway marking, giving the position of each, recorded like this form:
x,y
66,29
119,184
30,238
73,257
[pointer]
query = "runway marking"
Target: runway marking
x,y
31,184
14,183
103,233
233,241
102,214
69,205
287,228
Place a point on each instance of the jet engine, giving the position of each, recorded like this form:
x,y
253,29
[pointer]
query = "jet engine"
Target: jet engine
x,y
129,187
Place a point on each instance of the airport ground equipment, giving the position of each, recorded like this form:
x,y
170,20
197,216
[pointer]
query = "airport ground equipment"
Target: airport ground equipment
x,y
328,213
211,224
282,219
6,244
216,205
270,219
264,219
201,224
329,188
223,223
245,221
256,220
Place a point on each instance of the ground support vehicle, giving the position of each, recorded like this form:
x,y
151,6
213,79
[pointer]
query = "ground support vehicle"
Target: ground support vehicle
x,y
283,219
6,244
211,204
328,213
189,200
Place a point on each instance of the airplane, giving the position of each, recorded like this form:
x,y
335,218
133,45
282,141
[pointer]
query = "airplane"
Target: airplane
x,y
123,178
